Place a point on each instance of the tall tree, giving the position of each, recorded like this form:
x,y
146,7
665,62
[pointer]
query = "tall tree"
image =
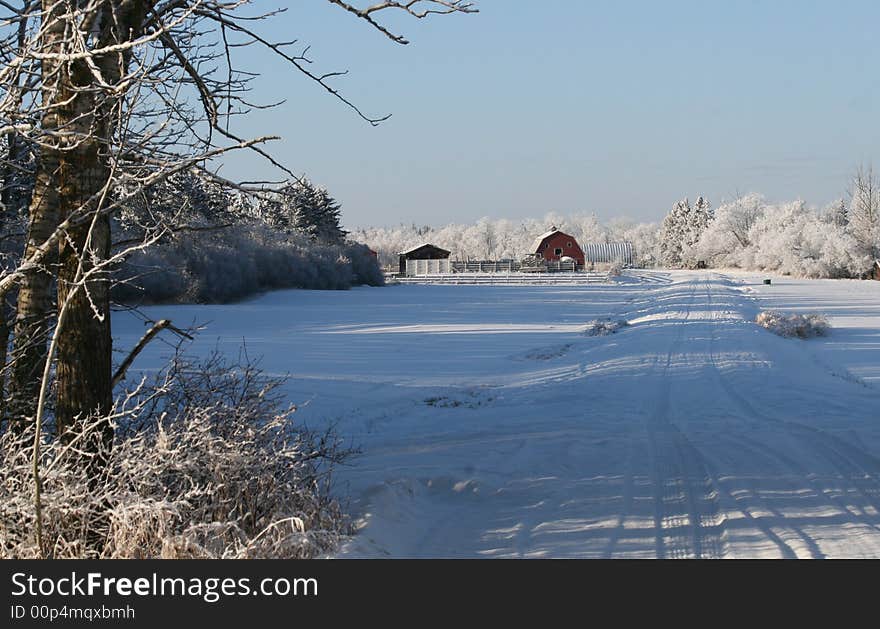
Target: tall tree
x,y
673,233
302,206
863,217
100,87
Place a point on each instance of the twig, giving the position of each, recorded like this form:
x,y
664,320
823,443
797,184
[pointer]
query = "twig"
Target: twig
x,y
119,376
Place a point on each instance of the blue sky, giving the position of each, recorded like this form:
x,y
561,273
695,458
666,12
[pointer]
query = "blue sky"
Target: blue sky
x,y
617,108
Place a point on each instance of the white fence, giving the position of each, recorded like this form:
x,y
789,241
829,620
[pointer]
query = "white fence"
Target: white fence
x,y
506,279
512,266
486,266
427,267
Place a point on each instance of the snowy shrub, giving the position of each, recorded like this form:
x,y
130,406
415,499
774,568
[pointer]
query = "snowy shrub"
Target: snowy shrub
x,y
794,325
206,463
604,327
364,266
615,269
236,262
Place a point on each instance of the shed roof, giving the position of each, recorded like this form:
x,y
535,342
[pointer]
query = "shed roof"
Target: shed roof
x,y
422,246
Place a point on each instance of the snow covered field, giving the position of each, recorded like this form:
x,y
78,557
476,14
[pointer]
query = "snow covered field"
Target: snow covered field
x,y
492,426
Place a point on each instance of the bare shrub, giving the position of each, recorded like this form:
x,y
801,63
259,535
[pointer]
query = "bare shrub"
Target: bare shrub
x,y
206,463
794,325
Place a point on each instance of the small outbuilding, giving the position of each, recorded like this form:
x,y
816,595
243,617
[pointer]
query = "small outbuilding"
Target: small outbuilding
x,y
607,252
410,260
555,245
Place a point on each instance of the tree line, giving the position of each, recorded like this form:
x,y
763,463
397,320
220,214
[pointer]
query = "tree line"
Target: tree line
x,y
749,232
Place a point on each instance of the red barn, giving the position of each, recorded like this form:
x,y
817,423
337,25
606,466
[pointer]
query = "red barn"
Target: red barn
x,y
555,245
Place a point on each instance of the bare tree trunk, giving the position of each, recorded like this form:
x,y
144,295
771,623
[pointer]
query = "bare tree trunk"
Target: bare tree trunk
x,y
35,299
84,365
83,369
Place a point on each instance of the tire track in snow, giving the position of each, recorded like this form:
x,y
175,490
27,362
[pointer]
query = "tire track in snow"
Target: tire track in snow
x,y
820,442
785,549
686,513
862,478
819,491
626,503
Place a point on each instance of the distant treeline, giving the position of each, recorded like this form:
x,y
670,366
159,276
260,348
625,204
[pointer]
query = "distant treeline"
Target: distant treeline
x,y
841,240
223,245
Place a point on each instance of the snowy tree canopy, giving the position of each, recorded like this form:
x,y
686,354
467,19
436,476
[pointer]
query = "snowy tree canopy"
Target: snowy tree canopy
x,y
864,212
674,234
300,205
789,238
746,233
502,239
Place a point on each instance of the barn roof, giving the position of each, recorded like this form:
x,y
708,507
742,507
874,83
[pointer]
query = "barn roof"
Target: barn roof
x,y
422,246
540,239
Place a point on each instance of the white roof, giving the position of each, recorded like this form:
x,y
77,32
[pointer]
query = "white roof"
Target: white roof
x,y
541,239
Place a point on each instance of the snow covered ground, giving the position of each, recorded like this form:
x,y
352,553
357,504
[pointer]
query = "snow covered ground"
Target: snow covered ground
x,y
492,426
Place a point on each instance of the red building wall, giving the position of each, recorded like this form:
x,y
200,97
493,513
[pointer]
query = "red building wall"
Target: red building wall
x,y
569,246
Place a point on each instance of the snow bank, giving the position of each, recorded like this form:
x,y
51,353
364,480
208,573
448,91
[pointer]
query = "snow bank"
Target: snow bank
x,y
794,325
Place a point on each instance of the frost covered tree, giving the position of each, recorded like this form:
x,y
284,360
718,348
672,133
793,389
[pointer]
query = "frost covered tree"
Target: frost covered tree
x,y
645,239
696,222
318,215
794,239
747,232
838,213
487,238
302,206
507,239
185,202
699,219
681,230
864,212
728,233
117,95
674,233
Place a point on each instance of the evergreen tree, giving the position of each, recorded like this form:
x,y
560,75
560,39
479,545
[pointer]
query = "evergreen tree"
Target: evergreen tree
x,y
304,207
187,201
681,231
838,213
699,219
673,234
696,222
